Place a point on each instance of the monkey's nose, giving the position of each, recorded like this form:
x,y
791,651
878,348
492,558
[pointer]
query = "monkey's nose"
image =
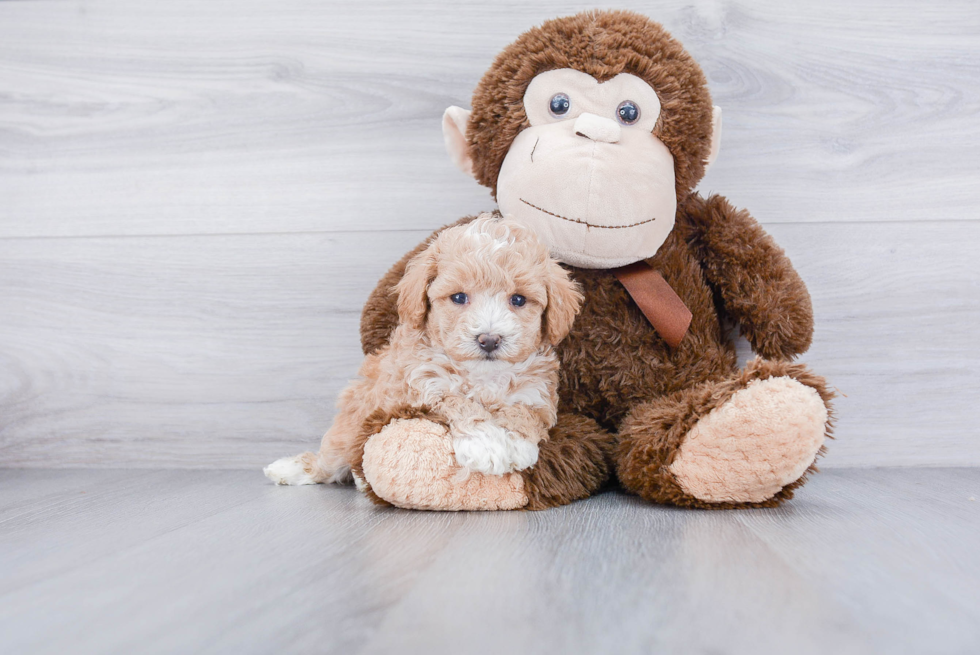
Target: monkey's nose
x,y
488,342
597,128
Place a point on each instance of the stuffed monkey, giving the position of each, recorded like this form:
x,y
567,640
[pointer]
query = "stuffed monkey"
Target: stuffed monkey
x,y
594,131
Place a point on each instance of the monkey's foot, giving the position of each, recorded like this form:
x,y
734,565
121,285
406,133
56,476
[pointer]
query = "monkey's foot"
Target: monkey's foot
x,y
745,441
747,449
410,463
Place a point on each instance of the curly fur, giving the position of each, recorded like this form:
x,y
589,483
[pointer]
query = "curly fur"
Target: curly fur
x,y
499,404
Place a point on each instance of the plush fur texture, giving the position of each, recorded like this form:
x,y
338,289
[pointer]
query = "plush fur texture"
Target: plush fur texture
x,y
602,44
600,193
411,463
652,437
748,448
573,463
628,402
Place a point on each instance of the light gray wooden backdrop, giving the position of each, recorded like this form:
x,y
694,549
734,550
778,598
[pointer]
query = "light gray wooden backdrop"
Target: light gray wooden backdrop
x,y
196,198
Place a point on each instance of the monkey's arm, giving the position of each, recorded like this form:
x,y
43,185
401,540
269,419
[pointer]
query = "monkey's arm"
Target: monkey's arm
x,y
380,314
758,285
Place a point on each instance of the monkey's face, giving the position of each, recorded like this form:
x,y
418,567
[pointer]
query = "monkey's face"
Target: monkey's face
x,y
588,175
594,168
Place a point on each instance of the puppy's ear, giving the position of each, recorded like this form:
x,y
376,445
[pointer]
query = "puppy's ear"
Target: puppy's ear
x,y
412,289
564,300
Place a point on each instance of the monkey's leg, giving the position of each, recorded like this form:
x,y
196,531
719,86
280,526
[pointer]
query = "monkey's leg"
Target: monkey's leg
x,y
746,441
409,462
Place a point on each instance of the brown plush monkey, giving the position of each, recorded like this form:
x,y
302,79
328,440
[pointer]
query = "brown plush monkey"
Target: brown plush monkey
x,y
594,130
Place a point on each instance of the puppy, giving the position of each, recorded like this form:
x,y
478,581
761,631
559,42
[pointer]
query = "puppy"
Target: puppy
x,y
479,311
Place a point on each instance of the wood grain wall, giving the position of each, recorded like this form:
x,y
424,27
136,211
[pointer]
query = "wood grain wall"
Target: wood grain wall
x,y
196,198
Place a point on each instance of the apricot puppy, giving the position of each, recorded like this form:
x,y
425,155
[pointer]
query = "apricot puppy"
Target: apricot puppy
x,y
479,312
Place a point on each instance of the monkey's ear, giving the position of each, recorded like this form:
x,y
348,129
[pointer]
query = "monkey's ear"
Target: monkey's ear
x,y
715,138
454,133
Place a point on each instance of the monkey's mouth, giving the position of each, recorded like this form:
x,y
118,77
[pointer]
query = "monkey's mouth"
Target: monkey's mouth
x,y
585,223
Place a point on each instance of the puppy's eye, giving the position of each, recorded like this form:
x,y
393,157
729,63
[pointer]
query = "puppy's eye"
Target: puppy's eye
x,y
627,112
517,300
459,298
559,105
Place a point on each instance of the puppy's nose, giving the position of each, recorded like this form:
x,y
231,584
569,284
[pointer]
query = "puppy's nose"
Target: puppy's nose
x,y
488,342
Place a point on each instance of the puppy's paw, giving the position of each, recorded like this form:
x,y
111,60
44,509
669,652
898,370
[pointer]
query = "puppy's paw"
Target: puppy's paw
x,y
289,470
490,449
524,454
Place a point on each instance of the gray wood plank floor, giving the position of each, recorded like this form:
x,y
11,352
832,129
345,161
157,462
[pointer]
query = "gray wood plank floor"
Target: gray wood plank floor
x,y
862,561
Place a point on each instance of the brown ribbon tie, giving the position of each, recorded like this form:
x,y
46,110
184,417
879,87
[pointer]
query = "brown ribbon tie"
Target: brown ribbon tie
x,y
665,310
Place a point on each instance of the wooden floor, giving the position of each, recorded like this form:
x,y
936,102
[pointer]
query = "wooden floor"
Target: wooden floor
x,y
873,560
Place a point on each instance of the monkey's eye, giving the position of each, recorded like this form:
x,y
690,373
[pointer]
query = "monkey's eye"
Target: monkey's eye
x,y
627,112
559,105
517,300
459,298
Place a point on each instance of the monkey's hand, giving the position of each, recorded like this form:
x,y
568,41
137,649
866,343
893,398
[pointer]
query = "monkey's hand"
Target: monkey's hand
x,y
758,285
410,463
